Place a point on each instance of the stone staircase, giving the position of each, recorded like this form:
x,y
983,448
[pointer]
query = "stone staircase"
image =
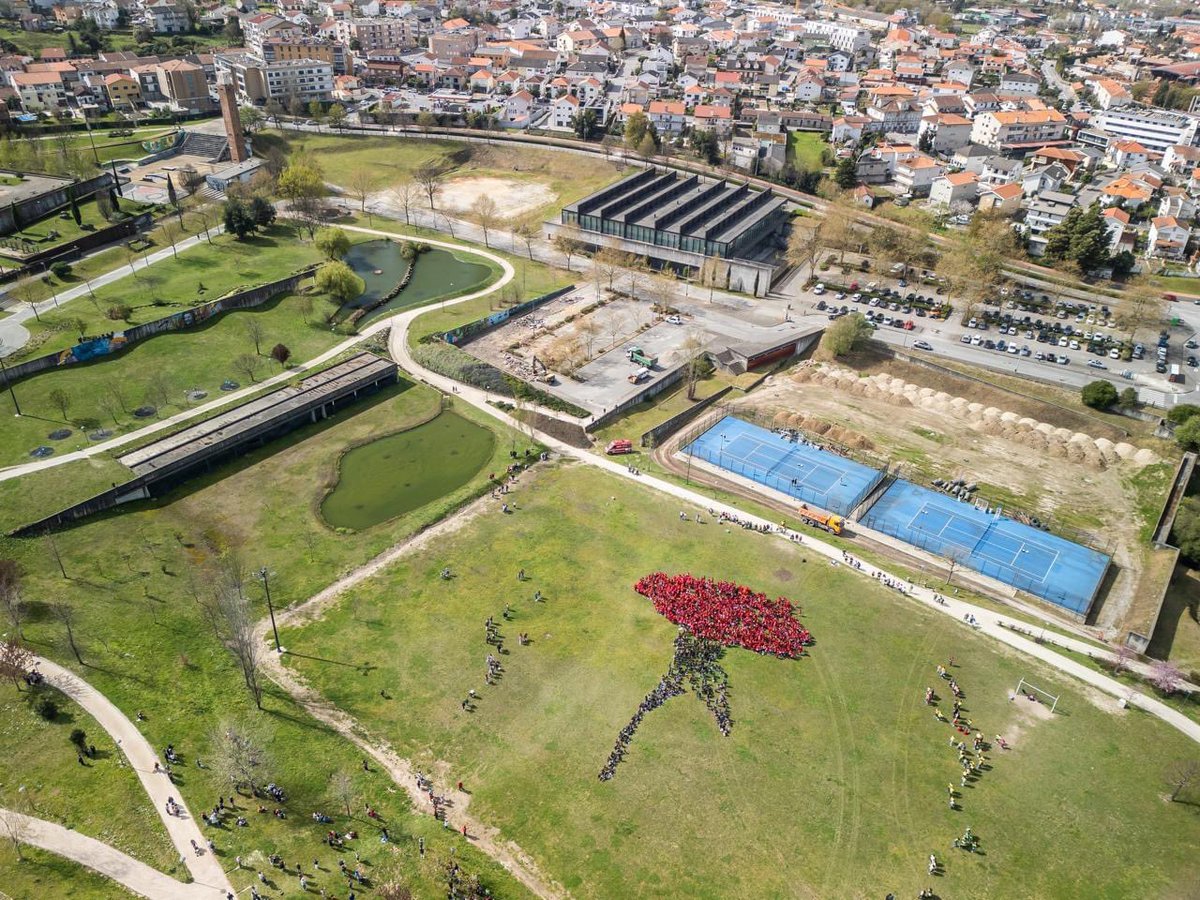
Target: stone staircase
x,y
211,147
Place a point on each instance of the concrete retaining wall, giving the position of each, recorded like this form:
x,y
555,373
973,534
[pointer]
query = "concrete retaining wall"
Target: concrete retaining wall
x,y
16,216
655,435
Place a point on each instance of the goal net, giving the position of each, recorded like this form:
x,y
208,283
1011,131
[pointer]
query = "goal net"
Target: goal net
x,y
1030,690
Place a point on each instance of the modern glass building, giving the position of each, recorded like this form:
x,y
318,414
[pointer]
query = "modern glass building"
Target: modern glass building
x,y
683,213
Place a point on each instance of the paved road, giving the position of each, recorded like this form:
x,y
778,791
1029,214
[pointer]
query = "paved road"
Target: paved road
x,y
205,869
989,622
121,868
1065,91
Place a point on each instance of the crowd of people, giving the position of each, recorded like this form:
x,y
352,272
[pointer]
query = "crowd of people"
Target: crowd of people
x,y
696,663
727,613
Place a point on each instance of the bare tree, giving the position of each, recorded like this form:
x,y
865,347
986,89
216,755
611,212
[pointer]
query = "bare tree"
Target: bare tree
x,y
1124,655
61,400
589,331
15,830
1180,775
66,614
569,242
428,175
407,196
247,365
240,756
527,231
359,183
10,593
341,788
691,350
15,660
254,330
237,624
306,307
485,214
158,390
616,327
110,405
172,231
447,224
113,388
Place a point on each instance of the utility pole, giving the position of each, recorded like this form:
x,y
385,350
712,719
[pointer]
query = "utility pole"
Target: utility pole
x,y
266,580
8,384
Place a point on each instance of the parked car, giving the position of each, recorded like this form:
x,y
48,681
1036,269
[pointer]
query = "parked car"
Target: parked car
x,y
922,345
675,320
1096,364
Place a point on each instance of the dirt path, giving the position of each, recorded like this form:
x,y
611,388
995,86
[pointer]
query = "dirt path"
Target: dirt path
x,y
121,868
205,869
486,838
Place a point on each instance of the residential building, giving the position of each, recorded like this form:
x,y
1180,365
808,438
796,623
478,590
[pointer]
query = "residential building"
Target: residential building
x,y
1042,213
1020,84
948,132
39,91
1007,131
122,91
379,33
290,50
955,187
184,86
258,81
916,174
1168,238
1002,198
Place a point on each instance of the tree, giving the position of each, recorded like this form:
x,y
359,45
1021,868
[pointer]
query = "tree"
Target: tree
x,y
157,390
692,348
252,118
527,230
1177,415
10,593
568,241
339,281
281,354
254,330
804,244
1180,775
65,613
1141,306
172,232
246,365
845,175
975,262
838,231
359,183
485,214
426,120
648,147
1186,531
239,220
262,211
316,110
333,242
1128,398
406,196
239,755
306,308
237,624
1080,240
341,787
172,196
427,175
275,109
706,146
337,116
16,829
302,185
584,124
61,400
637,126
79,739
1099,394
846,334
1165,676
15,660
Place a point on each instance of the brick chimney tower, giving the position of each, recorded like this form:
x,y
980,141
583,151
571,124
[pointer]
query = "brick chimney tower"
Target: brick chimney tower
x,y
227,94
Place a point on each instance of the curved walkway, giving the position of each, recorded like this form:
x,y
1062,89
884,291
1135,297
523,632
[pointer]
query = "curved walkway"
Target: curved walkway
x,y
213,405
205,869
120,867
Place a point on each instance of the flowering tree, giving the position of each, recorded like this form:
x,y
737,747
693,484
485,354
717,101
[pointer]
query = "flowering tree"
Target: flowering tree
x,y
1166,677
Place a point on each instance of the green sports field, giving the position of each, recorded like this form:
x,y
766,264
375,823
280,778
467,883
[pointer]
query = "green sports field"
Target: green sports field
x,y
833,782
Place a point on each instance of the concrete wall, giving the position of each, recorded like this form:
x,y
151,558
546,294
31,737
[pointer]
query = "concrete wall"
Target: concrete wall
x,y
72,250
674,376
658,433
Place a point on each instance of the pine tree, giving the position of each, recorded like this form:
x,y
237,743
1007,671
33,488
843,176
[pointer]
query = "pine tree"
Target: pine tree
x,y
172,197
1089,241
1058,238
75,211
846,175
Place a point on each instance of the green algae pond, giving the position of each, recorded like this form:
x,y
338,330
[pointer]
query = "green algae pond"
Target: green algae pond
x,y
438,273
394,475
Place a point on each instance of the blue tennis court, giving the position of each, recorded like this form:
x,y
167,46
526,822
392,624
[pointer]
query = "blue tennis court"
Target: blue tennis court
x,y
1053,568
808,473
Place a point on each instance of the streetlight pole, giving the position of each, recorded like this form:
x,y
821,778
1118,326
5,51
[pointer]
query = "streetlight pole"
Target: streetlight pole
x,y
8,384
266,580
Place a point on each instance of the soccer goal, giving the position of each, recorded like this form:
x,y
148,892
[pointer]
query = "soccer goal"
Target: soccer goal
x,y
1052,699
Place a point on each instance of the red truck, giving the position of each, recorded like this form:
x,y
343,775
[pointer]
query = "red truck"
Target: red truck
x,y
619,447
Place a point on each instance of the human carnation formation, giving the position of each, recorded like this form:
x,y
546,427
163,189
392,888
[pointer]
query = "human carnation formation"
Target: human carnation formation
x,y
728,613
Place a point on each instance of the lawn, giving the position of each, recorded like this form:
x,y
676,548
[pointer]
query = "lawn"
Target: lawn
x,y
832,783
44,779
1177,636
1177,284
805,149
42,874
389,160
135,576
38,233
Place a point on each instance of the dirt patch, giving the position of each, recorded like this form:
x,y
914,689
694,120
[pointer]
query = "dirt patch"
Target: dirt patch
x,y
512,197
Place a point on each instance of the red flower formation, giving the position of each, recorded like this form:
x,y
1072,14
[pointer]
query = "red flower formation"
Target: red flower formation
x,y
727,613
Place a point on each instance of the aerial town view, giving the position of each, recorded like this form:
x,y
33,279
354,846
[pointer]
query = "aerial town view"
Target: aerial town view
x,y
599,449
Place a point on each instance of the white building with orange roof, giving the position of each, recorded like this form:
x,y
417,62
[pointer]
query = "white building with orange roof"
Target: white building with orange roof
x,y
954,187
916,174
1168,238
1109,93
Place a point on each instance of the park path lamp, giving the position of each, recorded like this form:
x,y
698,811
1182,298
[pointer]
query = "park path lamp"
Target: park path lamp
x,y
265,575
8,384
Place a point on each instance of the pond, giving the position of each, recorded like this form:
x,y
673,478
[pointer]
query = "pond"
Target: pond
x,y
396,474
438,273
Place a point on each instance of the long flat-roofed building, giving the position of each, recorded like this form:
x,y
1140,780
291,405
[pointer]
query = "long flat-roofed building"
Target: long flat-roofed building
x,y
682,220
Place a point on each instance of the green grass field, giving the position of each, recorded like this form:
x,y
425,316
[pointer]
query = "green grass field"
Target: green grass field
x,y
1177,284
132,580
42,874
805,149
833,781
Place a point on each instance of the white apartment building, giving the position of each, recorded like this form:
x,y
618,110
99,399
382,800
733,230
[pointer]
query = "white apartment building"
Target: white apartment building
x,y
258,81
840,37
380,33
1014,129
1155,129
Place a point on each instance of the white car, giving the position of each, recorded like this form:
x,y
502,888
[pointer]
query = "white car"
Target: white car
x,y
921,345
819,289
674,320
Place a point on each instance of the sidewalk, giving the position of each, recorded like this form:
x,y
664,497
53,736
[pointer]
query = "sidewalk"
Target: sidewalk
x,y
206,869
125,870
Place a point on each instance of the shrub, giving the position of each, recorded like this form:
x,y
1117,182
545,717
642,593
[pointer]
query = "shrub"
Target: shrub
x,y
78,737
61,269
1187,435
46,707
118,312
1177,415
1098,395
